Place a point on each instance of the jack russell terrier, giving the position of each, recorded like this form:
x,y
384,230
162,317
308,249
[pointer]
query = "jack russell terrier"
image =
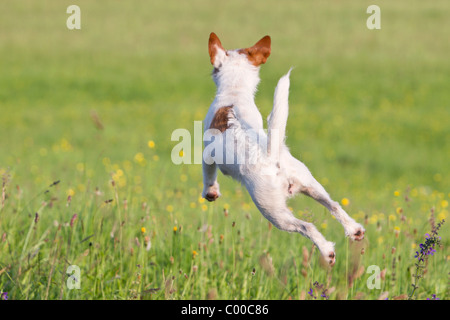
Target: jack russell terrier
x,y
260,161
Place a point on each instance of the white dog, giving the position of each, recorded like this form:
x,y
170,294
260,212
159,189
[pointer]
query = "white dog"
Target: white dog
x,y
269,172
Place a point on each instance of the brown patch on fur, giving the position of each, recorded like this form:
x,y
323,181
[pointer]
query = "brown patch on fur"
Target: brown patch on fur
x,y
220,120
259,53
213,44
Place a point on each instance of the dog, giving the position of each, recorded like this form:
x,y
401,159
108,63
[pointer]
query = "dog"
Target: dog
x,y
270,173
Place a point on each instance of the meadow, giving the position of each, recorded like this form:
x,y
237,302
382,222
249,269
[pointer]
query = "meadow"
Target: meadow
x,y
86,118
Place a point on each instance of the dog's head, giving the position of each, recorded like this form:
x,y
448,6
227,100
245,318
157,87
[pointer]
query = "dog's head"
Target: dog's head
x,y
249,58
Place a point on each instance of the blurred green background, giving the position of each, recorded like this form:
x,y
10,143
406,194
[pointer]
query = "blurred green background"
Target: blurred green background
x,y
369,109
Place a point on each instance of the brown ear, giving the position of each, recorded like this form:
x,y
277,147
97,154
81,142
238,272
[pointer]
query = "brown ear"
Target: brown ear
x,y
213,45
259,53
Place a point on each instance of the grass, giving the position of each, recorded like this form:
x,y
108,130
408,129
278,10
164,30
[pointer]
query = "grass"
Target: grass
x,y
368,115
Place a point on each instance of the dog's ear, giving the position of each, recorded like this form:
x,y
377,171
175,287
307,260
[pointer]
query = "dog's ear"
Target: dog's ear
x,y
215,49
259,53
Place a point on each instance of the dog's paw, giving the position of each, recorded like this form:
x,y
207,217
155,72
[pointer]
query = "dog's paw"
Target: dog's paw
x,y
331,258
212,196
328,258
356,232
211,193
328,254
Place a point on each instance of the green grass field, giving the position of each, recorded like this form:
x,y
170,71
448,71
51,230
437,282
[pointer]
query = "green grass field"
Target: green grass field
x,y
369,115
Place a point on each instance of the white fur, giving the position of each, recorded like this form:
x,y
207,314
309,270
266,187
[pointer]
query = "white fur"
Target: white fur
x,y
270,174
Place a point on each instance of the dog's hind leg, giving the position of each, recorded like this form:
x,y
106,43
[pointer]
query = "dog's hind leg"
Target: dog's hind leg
x,y
271,202
286,221
304,182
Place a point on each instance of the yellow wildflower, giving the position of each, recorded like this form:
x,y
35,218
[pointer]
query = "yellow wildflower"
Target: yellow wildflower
x,y
443,215
65,145
139,157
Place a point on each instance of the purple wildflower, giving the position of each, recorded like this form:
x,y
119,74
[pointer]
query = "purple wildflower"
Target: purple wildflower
x,y
428,248
4,296
418,255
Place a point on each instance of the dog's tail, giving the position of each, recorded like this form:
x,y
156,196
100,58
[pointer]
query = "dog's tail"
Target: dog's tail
x,y
278,117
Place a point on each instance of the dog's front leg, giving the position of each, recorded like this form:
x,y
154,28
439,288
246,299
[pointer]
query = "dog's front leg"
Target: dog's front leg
x,y
210,185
